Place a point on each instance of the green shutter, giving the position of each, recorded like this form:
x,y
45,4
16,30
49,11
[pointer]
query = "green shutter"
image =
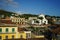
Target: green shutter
x,y
13,29
6,29
0,29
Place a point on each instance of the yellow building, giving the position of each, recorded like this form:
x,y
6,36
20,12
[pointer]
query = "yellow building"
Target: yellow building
x,y
24,34
10,31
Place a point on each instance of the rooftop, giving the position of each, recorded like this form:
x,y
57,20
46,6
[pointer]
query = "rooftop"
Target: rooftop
x,y
7,21
8,25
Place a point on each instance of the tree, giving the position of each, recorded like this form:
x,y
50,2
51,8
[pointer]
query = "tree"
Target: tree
x,y
40,18
47,34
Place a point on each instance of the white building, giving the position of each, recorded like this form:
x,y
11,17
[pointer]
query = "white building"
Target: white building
x,y
18,20
39,20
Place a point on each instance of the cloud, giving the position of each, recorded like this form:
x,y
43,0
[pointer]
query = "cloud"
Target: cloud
x,y
11,3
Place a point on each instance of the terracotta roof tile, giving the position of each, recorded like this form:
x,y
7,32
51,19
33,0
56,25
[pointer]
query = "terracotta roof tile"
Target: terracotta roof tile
x,y
7,21
21,29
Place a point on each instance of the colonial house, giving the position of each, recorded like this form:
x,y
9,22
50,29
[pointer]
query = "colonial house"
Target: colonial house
x,y
8,31
12,31
18,20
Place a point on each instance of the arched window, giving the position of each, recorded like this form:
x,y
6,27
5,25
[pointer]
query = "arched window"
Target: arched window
x,y
44,22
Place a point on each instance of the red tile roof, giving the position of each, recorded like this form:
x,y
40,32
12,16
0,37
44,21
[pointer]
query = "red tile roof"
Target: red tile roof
x,y
21,29
7,21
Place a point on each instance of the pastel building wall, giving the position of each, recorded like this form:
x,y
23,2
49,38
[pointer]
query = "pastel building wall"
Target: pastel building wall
x,y
11,32
8,32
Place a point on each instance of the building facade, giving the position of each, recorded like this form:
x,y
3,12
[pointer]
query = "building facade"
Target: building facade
x,y
39,20
18,20
9,31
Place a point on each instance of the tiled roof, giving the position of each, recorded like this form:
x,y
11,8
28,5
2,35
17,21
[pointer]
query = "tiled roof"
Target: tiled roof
x,y
21,29
7,21
8,25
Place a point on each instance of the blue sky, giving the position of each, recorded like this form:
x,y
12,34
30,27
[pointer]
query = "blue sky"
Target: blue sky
x,y
47,7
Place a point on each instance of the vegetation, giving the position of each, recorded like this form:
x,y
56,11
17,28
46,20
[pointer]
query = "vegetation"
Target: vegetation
x,y
7,13
41,18
28,15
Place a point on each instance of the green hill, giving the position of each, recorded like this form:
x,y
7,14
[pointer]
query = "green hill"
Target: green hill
x,y
5,13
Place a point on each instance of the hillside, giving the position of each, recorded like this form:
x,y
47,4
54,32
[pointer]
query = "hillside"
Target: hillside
x,y
4,13
7,13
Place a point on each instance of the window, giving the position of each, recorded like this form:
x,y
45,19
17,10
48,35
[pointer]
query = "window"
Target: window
x,y
12,20
6,37
6,29
13,29
0,29
0,37
44,22
12,36
21,36
28,35
37,21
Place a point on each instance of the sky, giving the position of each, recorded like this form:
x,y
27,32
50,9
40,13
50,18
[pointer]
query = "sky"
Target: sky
x,y
47,7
